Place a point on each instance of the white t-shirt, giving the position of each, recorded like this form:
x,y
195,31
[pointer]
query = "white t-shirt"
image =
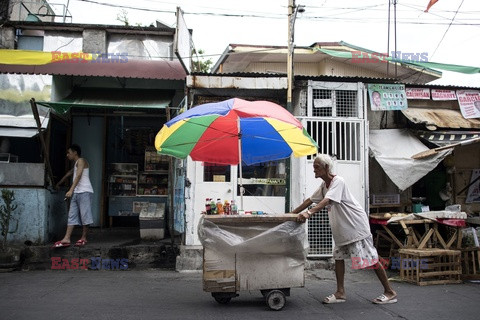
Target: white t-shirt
x,y
348,220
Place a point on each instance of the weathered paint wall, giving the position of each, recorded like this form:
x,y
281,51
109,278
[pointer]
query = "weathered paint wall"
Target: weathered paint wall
x,y
41,216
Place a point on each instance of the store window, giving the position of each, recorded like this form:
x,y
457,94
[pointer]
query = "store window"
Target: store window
x,y
216,173
267,179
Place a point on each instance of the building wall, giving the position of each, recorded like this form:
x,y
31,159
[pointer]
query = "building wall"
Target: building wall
x,y
324,67
41,216
337,68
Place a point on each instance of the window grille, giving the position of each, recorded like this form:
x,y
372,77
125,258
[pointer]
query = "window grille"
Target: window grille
x,y
320,235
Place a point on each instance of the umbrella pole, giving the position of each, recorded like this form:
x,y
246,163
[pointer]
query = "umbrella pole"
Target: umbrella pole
x,y
240,163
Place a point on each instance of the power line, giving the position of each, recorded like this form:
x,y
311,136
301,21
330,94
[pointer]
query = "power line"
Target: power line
x,y
362,19
448,28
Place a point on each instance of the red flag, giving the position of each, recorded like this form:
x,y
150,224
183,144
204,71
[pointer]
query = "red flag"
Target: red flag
x,y
430,4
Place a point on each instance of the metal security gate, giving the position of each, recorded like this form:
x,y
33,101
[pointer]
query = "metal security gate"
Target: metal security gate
x,y
336,121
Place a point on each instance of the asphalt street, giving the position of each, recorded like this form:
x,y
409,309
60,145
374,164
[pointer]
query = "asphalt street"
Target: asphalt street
x,y
160,294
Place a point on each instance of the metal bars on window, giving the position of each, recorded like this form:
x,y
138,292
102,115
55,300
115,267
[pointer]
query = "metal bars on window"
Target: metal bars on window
x,y
331,99
342,138
320,235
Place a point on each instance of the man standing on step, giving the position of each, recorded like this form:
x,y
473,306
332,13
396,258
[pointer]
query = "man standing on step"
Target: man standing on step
x,y
81,194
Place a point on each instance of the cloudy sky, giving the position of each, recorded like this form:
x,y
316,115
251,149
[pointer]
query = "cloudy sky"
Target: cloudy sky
x,y
449,33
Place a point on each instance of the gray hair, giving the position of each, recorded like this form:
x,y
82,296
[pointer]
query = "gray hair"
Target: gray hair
x,y
325,160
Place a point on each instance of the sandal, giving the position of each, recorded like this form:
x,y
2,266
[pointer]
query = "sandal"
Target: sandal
x,y
332,299
60,244
383,299
80,243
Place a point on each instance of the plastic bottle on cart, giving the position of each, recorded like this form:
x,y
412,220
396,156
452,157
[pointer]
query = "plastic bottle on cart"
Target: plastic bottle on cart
x,y
219,206
233,208
213,206
226,208
208,208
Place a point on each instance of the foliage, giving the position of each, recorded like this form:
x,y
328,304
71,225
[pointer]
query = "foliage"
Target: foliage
x,y
200,64
6,213
122,16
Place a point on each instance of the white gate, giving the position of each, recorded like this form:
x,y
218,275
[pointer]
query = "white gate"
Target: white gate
x,y
337,122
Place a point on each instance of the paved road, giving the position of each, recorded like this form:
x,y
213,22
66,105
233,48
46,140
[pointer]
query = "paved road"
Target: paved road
x,y
154,294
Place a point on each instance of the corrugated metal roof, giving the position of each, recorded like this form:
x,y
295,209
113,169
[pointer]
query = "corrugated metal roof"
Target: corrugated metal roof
x,y
300,77
440,118
143,69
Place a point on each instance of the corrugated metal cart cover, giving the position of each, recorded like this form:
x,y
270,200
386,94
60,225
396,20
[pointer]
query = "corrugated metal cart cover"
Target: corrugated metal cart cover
x,y
252,252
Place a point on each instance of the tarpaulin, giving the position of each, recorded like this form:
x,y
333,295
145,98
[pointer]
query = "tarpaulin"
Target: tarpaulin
x,y
393,149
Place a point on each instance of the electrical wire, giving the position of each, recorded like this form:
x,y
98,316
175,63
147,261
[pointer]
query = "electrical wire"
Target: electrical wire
x,y
448,28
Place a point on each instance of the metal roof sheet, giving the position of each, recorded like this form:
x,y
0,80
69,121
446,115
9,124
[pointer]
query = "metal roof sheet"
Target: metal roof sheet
x,y
143,69
440,118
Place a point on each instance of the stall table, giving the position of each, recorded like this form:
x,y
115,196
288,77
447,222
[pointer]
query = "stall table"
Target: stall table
x,y
416,239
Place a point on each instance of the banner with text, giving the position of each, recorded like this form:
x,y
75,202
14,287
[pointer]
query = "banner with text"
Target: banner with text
x,y
418,93
387,96
469,101
439,94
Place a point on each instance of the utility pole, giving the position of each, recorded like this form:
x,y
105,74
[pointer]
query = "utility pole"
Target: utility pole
x,y
291,21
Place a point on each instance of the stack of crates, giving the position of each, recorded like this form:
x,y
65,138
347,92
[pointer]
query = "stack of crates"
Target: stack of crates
x,y
430,266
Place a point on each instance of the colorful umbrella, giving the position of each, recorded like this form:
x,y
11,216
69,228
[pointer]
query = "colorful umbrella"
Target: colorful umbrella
x,y
234,131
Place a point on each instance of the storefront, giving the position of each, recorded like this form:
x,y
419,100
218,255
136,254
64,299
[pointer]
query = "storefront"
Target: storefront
x,y
116,129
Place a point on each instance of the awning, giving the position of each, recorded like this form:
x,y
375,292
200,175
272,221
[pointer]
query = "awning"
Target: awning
x,y
434,119
441,138
393,149
421,64
38,62
112,99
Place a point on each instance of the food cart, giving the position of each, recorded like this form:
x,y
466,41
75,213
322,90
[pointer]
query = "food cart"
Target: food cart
x,y
253,252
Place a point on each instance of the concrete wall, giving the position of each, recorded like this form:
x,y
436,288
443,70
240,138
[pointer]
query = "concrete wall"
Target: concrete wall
x,y
41,216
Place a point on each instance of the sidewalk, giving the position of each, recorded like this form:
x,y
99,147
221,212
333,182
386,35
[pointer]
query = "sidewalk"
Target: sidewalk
x,y
112,243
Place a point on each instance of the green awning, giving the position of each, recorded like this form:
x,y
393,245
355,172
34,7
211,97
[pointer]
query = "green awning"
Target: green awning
x,y
111,99
420,64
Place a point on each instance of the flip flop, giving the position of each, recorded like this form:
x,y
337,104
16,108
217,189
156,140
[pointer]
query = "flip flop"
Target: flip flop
x,y
332,299
60,244
383,299
80,243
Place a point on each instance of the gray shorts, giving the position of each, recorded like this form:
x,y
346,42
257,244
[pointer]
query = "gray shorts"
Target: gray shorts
x,y
362,253
80,212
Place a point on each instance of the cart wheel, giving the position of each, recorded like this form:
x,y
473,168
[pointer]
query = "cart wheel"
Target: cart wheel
x,y
221,298
276,300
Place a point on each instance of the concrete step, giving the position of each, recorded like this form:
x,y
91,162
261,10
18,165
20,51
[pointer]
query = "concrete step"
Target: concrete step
x,y
139,256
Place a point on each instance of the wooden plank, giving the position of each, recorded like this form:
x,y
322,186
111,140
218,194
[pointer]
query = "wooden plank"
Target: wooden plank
x,y
425,238
430,252
440,238
452,239
394,238
439,273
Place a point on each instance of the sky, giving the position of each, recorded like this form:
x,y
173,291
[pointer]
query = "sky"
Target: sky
x,y
449,32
